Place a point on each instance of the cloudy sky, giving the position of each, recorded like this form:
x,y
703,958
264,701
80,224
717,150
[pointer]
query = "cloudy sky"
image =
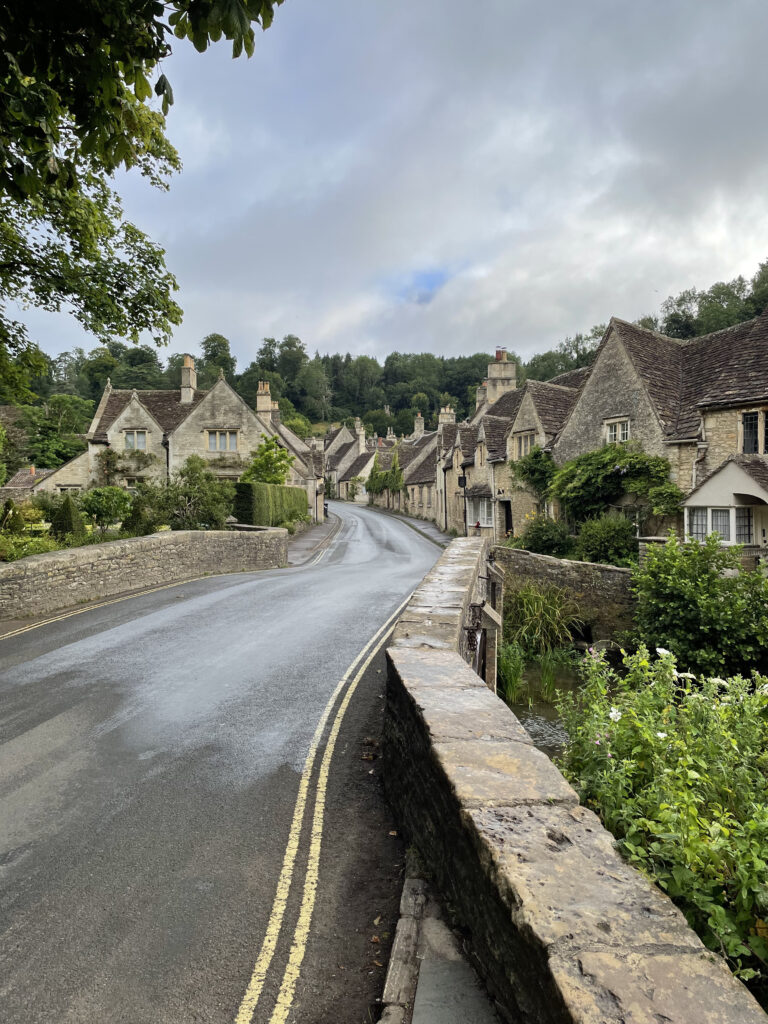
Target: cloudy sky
x,y
447,176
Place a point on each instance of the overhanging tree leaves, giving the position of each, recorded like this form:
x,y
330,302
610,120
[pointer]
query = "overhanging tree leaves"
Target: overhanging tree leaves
x,y
270,463
74,92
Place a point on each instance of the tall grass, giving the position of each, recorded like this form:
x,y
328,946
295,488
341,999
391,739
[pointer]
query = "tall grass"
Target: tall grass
x,y
511,665
540,618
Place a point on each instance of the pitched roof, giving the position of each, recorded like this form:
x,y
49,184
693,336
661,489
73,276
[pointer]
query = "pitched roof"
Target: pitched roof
x,y
553,403
507,406
725,368
166,407
338,456
449,434
356,467
423,473
24,479
755,466
468,440
572,378
495,430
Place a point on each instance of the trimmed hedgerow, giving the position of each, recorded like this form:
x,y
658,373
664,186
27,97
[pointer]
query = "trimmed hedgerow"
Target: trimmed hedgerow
x,y
269,504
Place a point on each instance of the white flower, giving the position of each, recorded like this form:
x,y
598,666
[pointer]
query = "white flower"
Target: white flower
x,y
661,651
614,714
764,690
685,675
718,680
661,735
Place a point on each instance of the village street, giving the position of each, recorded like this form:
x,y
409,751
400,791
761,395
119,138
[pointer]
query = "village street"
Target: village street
x,y
151,756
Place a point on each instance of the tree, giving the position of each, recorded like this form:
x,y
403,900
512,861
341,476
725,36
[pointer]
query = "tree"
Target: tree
x,y
74,85
194,499
291,356
216,357
105,505
54,429
270,463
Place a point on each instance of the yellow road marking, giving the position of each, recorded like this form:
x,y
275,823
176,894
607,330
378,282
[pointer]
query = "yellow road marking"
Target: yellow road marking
x,y
274,925
301,933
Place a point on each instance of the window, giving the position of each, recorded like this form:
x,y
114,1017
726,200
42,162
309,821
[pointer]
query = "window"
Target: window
x,y
744,526
136,440
617,431
721,522
697,523
222,440
749,428
481,511
524,444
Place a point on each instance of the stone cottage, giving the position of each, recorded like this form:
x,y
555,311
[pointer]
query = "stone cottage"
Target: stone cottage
x,y
140,436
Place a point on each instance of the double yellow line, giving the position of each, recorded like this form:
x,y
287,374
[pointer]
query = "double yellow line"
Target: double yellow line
x,y
301,932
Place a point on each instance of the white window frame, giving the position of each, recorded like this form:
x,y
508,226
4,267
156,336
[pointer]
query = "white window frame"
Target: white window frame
x,y
215,438
708,511
617,430
481,511
138,440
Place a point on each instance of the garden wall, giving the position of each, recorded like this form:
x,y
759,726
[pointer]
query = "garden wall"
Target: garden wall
x,y
562,929
601,591
61,579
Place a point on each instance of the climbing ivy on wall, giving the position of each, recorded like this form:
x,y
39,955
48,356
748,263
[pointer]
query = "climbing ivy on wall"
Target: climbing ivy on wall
x,y
588,484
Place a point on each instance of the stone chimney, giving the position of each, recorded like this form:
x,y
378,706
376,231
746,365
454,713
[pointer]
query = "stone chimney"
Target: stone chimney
x,y
418,426
501,376
447,415
264,399
188,380
275,414
390,432
360,435
31,470
480,395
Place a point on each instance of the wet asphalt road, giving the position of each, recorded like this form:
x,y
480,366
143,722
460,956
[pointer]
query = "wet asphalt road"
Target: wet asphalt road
x,y
150,756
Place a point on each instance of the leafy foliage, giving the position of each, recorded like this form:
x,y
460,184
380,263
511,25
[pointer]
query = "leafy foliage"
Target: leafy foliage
x,y
695,599
262,504
11,519
66,519
105,506
270,463
588,484
535,470
194,498
677,768
377,478
609,538
544,536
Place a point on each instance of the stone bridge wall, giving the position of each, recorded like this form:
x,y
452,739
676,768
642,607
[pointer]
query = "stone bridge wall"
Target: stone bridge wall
x,y
601,591
61,579
560,926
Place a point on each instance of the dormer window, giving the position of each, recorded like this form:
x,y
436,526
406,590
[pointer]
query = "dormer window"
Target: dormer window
x,y
136,440
524,443
616,431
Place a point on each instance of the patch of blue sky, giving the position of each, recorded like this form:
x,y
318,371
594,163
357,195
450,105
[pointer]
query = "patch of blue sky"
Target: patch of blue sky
x,y
419,286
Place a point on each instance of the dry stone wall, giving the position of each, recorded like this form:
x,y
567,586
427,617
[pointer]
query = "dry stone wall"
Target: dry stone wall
x,y
62,579
563,930
602,592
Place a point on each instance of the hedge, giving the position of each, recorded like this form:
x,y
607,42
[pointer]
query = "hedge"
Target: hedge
x,y
269,504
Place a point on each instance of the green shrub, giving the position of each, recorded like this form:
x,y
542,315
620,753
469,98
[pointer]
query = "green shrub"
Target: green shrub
x,y
141,519
677,768
269,504
697,601
11,519
588,484
544,536
14,546
105,506
539,618
66,519
610,539
511,665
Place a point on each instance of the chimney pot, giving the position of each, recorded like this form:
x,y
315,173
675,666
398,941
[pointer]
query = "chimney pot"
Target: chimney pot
x,y
31,470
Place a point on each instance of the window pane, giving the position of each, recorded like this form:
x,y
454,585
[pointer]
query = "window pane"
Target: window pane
x,y
141,439
743,525
697,523
612,434
749,420
721,522
624,430
211,441
129,439
233,440
222,441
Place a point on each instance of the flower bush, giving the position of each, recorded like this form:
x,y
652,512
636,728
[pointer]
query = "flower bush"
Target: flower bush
x,y
677,768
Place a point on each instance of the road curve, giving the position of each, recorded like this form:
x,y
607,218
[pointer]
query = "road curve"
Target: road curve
x,y
150,758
